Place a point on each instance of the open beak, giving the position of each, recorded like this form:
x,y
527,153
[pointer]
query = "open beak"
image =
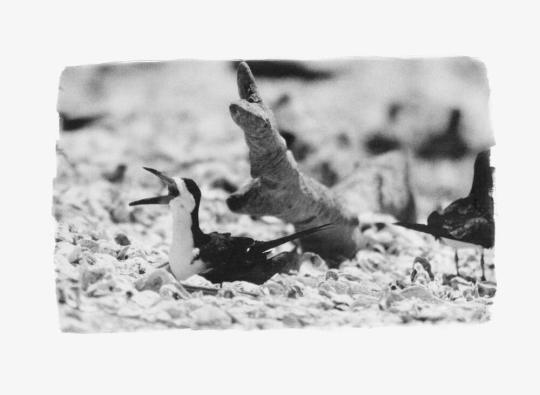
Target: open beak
x,y
171,186
152,200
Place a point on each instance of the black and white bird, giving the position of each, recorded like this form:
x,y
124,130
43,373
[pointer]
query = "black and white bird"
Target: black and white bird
x,y
216,256
467,222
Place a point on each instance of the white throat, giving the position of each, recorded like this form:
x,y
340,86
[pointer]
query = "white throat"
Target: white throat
x,y
182,246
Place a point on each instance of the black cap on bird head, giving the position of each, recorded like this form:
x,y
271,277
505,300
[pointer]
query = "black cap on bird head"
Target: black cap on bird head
x,y
171,186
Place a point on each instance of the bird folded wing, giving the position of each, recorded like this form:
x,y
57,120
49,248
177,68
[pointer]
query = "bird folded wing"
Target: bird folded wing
x,y
476,230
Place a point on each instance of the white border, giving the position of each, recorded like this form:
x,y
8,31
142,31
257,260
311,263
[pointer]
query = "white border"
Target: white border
x,y
43,37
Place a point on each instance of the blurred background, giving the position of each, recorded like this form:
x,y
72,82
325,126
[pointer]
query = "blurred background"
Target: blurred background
x,y
334,116
115,118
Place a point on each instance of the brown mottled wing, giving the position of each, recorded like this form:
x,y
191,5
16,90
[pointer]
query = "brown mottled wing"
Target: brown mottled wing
x,y
465,220
475,230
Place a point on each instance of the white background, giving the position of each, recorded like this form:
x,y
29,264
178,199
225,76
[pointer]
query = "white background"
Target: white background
x,y
40,38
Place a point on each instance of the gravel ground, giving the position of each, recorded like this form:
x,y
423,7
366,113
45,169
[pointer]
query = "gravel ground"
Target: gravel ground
x,y
174,117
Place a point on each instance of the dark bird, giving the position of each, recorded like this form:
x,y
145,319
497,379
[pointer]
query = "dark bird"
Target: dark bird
x,y
382,141
284,69
216,256
117,175
72,124
300,149
449,144
467,221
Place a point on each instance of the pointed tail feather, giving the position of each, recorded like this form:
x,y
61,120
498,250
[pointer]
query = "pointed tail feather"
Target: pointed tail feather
x,y
264,246
435,232
413,226
482,184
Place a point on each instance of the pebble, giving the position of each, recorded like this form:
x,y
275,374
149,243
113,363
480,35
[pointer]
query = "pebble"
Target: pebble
x,y
371,260
211,316
342,299
274,288
95,268
419,292
175,309
120,213
295,292
332,274
174,291
63,233
107,247
65,268
155,280
101,288
89,244
291,320
247,287
311,265
486,289
69,251
146,298
122,239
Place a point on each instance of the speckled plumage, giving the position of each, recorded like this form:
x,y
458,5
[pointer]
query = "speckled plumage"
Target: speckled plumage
x,y
469,219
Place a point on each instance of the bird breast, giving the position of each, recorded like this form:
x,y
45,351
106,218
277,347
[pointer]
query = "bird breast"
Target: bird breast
x,y
181,252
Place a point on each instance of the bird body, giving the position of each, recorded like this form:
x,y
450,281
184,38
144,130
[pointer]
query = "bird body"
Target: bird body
x,y
183,246
467,221
216,256
450,144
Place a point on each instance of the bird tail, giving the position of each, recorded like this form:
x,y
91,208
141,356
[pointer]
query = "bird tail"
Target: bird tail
x,y
483,175
413,226
268,245
434,231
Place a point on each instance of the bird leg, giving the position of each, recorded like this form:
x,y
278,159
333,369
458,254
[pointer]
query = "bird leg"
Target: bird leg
x,y
279,189
483,278
456,261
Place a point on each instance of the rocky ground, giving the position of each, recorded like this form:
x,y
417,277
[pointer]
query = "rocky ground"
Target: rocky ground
x,y
174,117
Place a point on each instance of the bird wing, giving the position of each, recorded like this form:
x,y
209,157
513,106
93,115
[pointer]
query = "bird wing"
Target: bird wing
x,y
222,248
476,230
467,220
432,230
264,246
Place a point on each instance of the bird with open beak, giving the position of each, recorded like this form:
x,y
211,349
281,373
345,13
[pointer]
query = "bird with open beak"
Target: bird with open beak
x,y
216,256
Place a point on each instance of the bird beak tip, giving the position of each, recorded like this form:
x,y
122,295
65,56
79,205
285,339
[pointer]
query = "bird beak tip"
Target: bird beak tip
x,y
153,171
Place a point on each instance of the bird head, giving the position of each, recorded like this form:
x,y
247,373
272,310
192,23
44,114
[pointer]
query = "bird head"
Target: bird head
x,y
183,193
435,219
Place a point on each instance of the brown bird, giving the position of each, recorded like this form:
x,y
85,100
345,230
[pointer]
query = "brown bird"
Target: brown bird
x,y
467,221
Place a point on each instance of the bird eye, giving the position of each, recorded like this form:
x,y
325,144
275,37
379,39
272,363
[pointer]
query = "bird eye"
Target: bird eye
x,y
173,190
